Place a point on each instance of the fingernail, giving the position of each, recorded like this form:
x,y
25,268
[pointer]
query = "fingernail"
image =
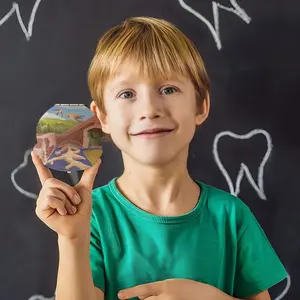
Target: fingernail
x,y
76,199
73,209
120,295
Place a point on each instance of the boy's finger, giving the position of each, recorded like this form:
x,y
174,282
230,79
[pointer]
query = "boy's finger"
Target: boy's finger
x,y
88,176
57,204
43,172
141,291
55,186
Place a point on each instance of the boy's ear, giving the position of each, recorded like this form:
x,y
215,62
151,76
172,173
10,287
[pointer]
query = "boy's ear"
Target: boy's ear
x,y
102,117
203,111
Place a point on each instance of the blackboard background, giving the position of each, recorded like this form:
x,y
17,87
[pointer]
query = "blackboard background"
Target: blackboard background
x,y
255,84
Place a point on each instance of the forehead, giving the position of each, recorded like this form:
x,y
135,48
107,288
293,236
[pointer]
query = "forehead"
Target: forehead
x,y
132,73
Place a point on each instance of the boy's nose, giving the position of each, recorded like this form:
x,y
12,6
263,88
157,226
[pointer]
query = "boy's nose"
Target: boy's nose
x,y
151,111
150,107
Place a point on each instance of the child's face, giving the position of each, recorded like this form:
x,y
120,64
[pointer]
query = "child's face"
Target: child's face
x,y
134,104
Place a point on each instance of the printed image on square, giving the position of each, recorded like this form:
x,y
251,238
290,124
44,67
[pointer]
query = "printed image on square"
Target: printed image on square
x,y
69,138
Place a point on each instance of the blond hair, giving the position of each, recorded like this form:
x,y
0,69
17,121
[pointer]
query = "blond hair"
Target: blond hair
x,y
157,47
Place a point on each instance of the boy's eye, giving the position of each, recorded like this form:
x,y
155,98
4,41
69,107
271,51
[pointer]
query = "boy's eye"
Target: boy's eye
x,y
168,90
127,95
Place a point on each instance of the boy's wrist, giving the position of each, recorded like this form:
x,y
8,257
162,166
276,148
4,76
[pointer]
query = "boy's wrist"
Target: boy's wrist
x,y
76,241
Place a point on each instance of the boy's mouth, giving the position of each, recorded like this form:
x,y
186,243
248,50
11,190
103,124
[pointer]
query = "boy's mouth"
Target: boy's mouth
x,y
154,131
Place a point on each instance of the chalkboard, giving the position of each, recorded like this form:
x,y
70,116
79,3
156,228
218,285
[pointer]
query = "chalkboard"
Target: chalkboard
x,y
249,146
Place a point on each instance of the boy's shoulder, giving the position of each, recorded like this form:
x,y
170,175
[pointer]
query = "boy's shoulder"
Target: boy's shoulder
x,y
100,191
217,198
104,202
103,194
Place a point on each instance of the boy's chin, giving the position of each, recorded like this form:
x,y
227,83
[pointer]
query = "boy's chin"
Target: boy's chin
x,y
155,160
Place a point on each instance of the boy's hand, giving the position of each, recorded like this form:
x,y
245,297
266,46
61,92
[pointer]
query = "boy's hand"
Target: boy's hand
x,y
174,289
63,208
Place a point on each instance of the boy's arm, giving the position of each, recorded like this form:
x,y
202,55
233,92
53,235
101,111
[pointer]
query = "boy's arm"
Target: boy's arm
x,y
74,279
258,266
261,296
99,294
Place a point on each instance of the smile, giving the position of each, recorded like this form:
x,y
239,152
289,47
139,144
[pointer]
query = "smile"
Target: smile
x,y
154,134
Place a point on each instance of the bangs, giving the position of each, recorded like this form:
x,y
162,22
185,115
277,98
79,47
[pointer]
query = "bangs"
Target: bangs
x,y
155,48
154,57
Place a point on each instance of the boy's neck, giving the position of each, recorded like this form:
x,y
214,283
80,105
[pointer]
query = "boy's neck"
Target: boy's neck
x,y
167,190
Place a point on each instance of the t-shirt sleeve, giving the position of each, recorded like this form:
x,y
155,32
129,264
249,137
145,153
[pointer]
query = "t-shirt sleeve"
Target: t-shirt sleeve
x,y
96,255
258,267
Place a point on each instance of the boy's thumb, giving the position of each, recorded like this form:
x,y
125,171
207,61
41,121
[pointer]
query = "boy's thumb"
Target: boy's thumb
x,y
88,176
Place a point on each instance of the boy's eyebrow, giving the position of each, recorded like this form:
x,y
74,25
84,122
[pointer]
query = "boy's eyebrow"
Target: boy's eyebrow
x,y
178,79
122,82
117,84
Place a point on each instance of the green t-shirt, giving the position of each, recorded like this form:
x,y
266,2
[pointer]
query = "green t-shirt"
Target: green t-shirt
x,y
219,242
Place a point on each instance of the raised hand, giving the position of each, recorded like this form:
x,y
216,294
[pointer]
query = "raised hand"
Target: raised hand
x,y
63,208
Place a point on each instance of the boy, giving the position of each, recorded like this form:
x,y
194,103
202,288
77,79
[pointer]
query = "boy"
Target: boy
x,y
153,233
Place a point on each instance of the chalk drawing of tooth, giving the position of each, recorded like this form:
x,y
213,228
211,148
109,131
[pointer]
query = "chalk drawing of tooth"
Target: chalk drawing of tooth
x,y
16,10
215,28
258,185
